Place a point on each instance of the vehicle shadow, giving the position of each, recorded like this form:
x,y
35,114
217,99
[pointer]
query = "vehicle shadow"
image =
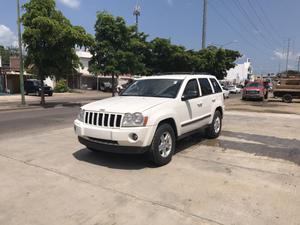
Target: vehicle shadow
x,y
267,146
114,161
130,161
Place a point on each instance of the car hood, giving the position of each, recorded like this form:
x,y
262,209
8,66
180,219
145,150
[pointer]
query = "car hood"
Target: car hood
x,y
124,104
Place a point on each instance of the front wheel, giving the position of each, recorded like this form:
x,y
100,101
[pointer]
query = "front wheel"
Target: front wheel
x,y
214,129
163,145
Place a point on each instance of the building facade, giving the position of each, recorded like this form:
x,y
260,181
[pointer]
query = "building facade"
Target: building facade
x,y
240,73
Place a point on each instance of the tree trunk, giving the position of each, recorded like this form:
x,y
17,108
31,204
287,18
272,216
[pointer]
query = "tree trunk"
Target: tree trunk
x,y
42,77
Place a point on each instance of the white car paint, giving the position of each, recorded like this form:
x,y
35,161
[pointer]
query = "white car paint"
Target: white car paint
x,y
188,115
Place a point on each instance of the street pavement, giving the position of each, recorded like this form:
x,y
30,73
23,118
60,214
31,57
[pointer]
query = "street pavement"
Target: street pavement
x,y
249,175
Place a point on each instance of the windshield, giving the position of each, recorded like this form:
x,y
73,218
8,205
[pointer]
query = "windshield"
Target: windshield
x,y
254,85
165,88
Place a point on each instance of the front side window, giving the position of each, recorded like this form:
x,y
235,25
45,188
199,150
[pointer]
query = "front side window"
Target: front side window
x,y
191,89
206,88
163,88
216,85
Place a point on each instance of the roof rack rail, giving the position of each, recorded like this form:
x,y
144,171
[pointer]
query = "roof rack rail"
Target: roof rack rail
x,y
181,73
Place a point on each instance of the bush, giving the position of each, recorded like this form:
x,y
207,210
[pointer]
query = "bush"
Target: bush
x,y
61,86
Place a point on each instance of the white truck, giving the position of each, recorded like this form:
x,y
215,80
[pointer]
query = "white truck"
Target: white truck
x,y
152,114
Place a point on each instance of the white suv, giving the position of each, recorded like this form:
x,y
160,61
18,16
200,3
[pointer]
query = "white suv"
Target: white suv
x,y
151,114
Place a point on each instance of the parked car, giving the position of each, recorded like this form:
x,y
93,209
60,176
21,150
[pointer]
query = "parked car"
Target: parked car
x,y
225,92
255,90
105,86
34,86
151,115
234,89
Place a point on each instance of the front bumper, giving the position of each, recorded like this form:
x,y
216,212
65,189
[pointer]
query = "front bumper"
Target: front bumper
x,y
98,145
114,137
253,96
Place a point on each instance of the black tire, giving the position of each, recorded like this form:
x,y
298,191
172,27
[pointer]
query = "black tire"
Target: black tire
x,y
287,98
155,154
50,94
244,99
211,132
261,99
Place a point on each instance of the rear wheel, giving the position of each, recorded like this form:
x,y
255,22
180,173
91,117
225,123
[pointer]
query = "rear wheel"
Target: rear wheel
x,y
287,98
214,129
163,145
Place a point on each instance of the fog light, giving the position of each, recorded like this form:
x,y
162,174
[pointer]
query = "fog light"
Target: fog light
x,y
134,137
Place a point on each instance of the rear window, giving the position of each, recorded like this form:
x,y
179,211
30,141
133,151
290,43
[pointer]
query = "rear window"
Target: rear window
x,y
206,88
216,85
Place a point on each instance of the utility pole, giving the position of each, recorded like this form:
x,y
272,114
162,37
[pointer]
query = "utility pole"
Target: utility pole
x,y
287,55
299,63
20,55
137,13
204,24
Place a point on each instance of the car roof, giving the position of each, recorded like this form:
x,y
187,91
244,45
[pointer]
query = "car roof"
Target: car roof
x,y
177,76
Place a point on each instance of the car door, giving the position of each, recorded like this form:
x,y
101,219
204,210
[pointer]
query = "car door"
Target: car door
x,y
190,110
207,99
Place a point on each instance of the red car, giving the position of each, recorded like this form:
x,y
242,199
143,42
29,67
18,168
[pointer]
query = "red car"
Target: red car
x,y
255,90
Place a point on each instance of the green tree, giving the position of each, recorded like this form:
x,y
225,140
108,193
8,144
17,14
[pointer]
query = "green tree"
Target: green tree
x,y
117,49
50,40
6,52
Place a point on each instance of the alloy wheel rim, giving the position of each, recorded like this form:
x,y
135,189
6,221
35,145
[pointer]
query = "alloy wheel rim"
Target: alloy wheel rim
x,y
217,125
165,144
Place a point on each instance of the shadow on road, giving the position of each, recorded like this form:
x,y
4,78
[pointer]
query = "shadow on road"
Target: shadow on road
x,y
114,161
273,147
128,161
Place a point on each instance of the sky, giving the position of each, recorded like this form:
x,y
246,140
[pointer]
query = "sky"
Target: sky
x,y
259,29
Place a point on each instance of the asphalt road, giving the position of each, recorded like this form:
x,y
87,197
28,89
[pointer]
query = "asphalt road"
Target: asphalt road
x,y
20,123
249,175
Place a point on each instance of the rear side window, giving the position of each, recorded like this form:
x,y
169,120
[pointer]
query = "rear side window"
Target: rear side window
x,y
191,88
205,86
216,85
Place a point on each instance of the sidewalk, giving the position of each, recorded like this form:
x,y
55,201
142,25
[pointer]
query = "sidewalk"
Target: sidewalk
x,y
13,102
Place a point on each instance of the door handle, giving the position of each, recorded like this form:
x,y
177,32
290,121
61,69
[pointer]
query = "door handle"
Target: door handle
x,y
199,105
214,100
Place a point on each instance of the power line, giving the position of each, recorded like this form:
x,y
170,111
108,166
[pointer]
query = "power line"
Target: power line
x,y
235,30
260,20
240,7
268,20
240,22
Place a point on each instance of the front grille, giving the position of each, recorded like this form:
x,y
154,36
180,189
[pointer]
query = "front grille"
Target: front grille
x,y
110,120
252,92
102,141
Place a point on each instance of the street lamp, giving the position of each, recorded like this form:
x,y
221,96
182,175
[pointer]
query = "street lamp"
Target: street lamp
x,y
21,55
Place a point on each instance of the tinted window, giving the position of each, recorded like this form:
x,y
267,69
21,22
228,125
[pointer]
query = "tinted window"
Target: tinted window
x,y
205,86
164,88
216,86
191,88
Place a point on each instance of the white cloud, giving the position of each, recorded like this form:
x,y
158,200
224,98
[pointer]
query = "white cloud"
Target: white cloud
x,y
7,37
277,54
71,3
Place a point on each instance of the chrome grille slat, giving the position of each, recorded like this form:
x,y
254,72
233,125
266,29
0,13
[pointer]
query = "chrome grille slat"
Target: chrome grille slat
x,y
98,119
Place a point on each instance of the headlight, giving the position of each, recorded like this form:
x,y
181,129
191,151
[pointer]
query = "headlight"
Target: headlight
x,y
80,116
134,120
